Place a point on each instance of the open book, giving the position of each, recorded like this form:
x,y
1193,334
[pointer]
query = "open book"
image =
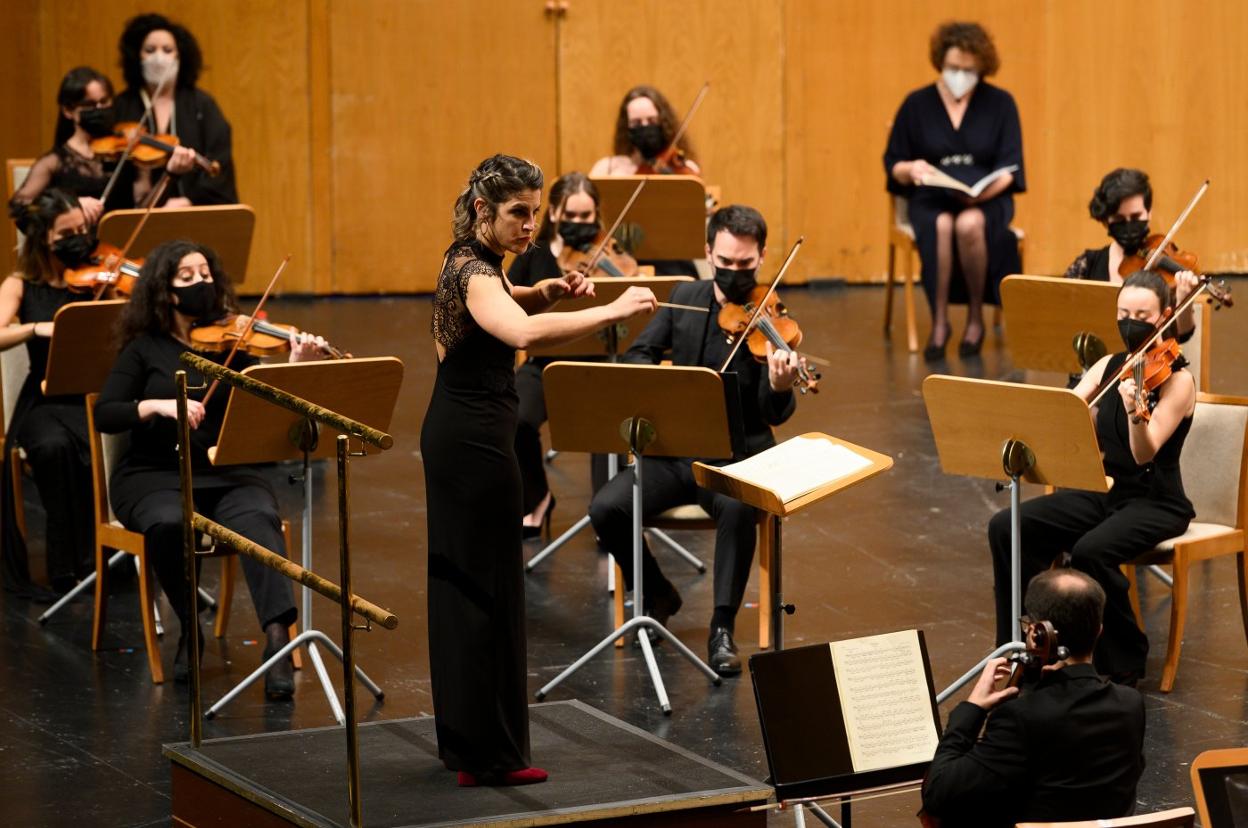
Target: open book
x,y
940,178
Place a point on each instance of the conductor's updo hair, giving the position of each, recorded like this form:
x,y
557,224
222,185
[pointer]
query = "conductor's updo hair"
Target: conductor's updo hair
x,y
1123,182
496,179
1150,280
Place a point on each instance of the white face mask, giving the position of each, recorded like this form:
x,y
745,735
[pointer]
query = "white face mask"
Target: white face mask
x,y
959,82
156,65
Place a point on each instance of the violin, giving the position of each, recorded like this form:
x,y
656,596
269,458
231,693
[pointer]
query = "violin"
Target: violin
x,y
613,261
109,267
146,150
1169,259
255,336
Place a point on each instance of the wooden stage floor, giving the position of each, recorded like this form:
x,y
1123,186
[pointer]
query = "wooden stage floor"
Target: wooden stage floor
x,y
81,733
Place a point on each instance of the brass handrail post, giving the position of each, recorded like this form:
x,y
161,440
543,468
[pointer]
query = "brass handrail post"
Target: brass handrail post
x,y
188,553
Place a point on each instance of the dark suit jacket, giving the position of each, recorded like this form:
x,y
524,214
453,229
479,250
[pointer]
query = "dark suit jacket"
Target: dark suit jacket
x,y
1069,747
683,334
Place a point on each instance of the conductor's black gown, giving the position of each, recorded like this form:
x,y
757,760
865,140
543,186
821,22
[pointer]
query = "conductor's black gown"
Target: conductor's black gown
x,y
477,657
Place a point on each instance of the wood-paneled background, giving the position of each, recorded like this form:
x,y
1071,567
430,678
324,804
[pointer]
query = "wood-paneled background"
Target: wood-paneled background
x,y
357,121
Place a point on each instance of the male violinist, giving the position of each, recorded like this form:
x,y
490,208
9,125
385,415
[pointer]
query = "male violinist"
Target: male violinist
x,y
1067,747
736,241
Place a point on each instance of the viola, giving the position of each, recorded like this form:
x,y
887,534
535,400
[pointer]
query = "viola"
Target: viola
x,y
1169,259
109,267
1042,651
773,327
146,150
613,261
255,336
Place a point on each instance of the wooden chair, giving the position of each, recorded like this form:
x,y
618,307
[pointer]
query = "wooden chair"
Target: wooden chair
x,y
1215,477
1220,782
14,367
901,238
1173,818
15,172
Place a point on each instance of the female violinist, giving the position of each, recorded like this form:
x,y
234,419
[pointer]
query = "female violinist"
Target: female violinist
x,y
477,646
967,128
51,430
644,128
155,49
182,283
1141,436
85,112
1123,203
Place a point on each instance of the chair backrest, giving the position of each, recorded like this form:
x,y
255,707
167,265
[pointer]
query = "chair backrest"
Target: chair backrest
x,y
1220,782
16,170
14,368
1196,349
105,450
1173,818
1214,462
900,213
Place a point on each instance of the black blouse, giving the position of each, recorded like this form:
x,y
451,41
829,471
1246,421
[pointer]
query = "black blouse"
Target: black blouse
x,y
534,265
1092,265
66,170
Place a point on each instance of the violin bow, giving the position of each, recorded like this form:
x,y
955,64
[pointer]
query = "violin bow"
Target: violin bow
x,y
134,235
1152,260
606,239
251,320
693,109
762,304
134,139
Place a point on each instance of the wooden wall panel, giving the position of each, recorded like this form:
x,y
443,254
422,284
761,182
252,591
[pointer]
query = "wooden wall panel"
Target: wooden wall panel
x,y
20,69
422,92
735,44
1176,108
256,66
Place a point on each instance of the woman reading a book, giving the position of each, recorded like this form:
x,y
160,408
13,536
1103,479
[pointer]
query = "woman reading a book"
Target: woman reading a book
x,y
959,131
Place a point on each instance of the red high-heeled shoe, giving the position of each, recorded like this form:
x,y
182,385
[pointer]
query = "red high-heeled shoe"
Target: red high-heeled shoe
x,y
525,776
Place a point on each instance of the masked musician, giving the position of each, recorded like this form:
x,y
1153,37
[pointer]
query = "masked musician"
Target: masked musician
x,y
644,127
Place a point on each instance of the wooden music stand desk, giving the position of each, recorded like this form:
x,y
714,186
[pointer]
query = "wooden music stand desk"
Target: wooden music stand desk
x,y
1010,432
777,505
607,408
83,349
613,339
255,431
670,213
1044,314
226,228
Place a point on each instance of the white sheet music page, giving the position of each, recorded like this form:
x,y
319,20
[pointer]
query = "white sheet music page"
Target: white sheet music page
x,y
885,700
798,466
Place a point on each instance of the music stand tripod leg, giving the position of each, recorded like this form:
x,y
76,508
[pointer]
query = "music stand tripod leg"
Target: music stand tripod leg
x,y
85,583
553,546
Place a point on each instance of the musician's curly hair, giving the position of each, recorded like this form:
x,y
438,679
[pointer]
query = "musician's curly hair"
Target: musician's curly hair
x,y
1123,182
150,309
190,58
971,38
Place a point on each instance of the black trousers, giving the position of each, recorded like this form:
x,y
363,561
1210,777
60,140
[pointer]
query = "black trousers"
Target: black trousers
x,y
250,509
54,437
1099,535
668,482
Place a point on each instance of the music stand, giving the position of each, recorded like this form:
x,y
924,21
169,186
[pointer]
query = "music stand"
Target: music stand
x,y
256,431
1009,433
610,342
226,228
668,220
604,408
1044,315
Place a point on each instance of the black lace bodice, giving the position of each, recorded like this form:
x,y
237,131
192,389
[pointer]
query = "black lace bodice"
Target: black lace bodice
x,y
452,323
66,170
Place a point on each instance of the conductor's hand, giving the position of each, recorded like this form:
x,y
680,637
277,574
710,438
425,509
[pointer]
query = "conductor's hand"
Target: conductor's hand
x,y
571,285
1185,282
631,302
781,369
985,693
919,170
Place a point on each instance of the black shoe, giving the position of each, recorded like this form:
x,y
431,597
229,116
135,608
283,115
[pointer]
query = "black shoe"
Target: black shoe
x,y
969,348
934,351
664,604
721,652
181,670
279,680
542,531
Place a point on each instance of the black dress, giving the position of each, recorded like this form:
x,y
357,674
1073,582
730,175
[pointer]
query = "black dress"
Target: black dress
x,y
527,270
1145,506
477,650
145,484
199,124
53,433
989,138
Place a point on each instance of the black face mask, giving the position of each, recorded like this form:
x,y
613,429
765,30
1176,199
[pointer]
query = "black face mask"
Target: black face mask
x,y
1129,234
74,251
735,284
98,122
1135,332
649,140
197,300
578,235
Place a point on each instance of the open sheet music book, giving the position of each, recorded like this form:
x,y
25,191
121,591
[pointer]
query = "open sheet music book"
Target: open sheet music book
x,y
802,465
939,178
848,715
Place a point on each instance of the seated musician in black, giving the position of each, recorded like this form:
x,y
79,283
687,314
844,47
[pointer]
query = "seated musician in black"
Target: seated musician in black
x,y
736,239
1066,746
1123,203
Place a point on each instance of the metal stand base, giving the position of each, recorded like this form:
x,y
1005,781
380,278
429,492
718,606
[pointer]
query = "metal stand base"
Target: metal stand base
x,y
89,581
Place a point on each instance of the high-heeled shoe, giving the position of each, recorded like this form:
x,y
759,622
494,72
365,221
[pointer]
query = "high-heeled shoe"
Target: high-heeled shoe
x,y
970,348
934,351
524,776
542,530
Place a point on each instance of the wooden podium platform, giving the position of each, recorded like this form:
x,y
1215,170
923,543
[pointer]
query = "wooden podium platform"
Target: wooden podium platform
x,y
602,772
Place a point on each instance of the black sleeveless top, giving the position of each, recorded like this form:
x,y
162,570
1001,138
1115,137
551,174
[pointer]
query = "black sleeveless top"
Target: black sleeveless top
x,y
40,302
1159,480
